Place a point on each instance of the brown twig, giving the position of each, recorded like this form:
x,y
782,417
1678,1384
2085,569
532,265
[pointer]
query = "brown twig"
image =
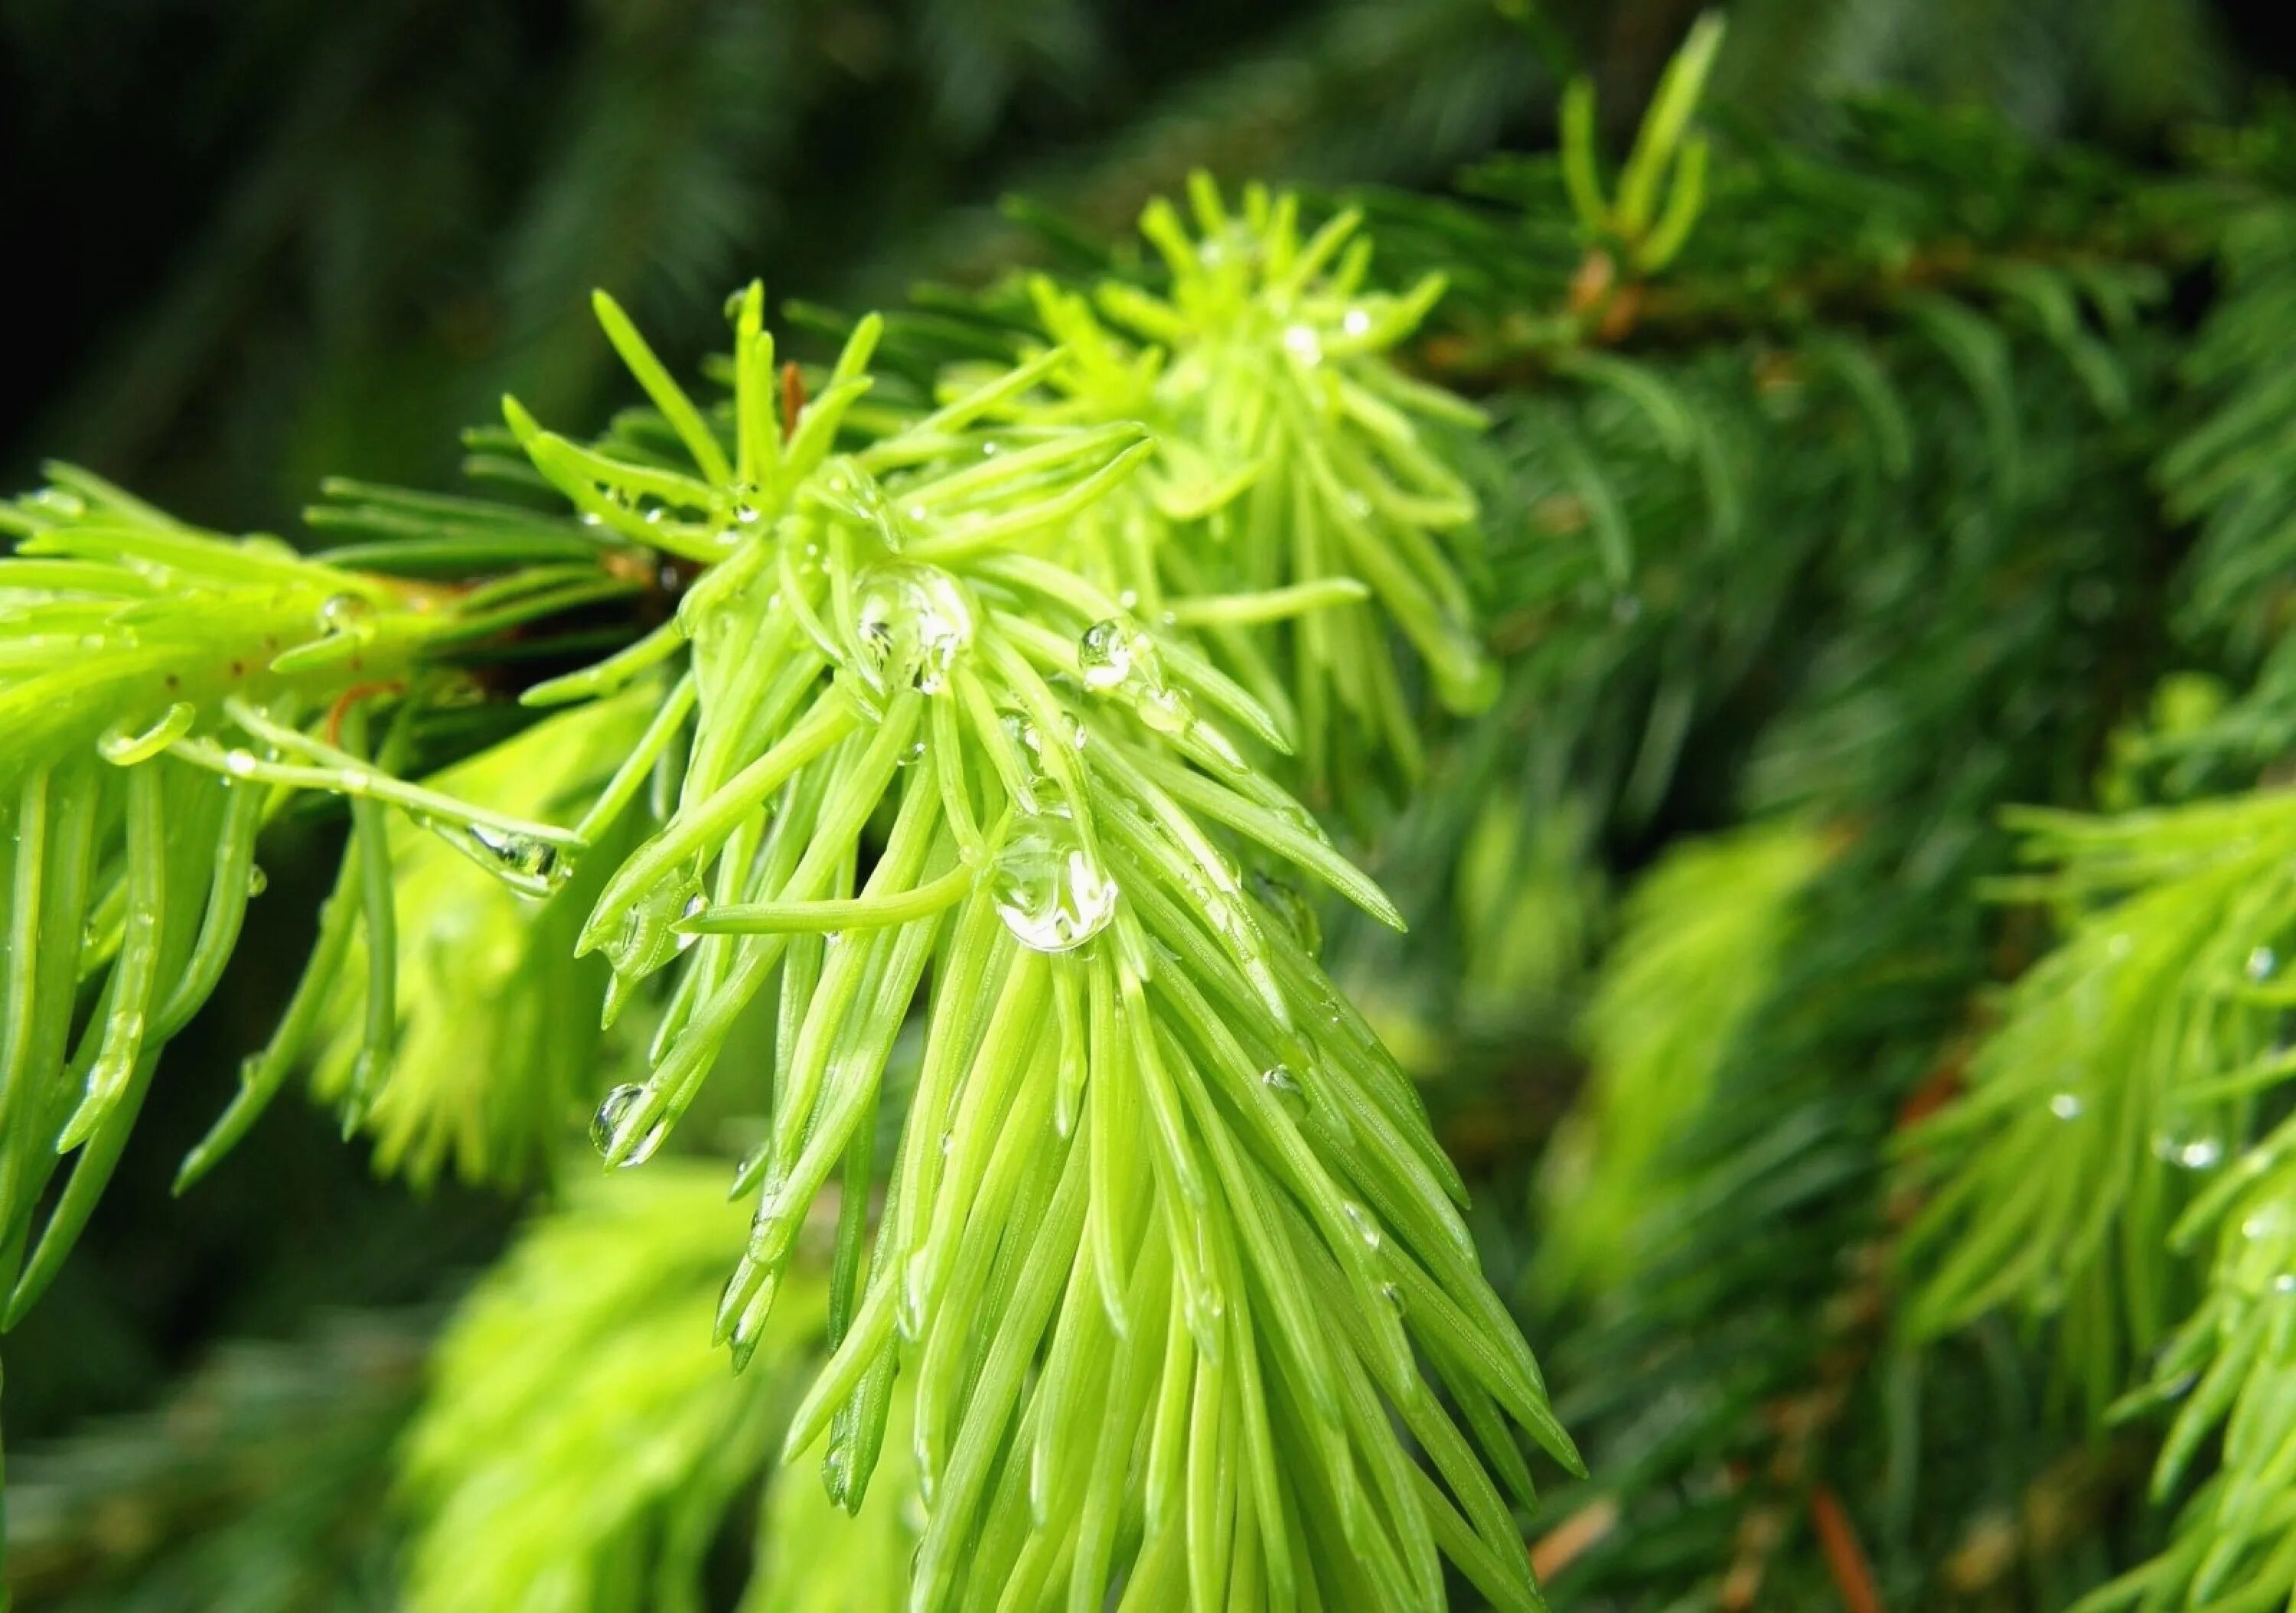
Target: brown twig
x,y
1566,1541
1845,1558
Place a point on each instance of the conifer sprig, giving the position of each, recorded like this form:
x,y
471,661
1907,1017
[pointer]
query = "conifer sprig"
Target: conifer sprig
x,y
1292,455
1148,1139
163,692
2128,1067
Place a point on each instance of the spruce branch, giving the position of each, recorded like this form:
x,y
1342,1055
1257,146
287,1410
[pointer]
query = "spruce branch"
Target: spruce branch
x,y
163,692
1148,1138
2128,1067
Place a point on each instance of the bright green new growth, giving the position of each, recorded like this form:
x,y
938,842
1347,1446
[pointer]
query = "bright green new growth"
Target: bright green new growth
x,y
1703,932
164,692
581,1443
2130,1064
956,717
1294,468
1166,1236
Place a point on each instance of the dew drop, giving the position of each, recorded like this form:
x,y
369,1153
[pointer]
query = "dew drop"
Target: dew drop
x,y
1279,1080
1303,344
1106,654
615,1111
913,622
1356,321
1114,658
694,904
1050,892
239,763
1365,1224
529,864
2065,1106
344,613
2190,1153
258,881
1166,709
647,938
2261,963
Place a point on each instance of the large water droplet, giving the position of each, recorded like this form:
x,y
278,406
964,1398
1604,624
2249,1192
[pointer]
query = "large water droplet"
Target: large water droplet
x,y
1108,651
616,1109
1048,890
1115,658
913,622
1166,709
529,864
647,939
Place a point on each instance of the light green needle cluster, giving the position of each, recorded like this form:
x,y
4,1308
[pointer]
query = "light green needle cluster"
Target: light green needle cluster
x,y
1297,474
496,1041
163,692
1167,1247
582,1445
2230,1369
1698,951
2126,1073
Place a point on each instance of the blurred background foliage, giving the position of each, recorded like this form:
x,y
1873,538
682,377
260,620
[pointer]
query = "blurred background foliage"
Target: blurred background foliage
x,y
261,244
276,240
